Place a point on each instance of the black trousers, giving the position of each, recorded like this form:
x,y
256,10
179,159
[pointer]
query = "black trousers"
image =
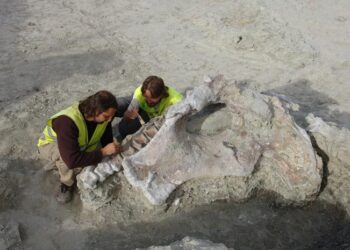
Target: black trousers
x,y
127,127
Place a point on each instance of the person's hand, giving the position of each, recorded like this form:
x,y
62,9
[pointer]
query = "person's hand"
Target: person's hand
x,y
131,114
110,149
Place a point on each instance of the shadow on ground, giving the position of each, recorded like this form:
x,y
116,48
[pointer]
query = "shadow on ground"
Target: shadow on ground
x,y
255,224
252,225
27,202
27,77
310,101
20,77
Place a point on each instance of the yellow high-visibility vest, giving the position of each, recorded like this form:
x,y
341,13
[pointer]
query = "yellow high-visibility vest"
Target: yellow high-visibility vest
x,y
49,135
174,97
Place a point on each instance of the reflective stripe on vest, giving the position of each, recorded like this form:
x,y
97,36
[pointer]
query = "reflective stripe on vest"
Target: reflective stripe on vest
x,y
49,135
174,97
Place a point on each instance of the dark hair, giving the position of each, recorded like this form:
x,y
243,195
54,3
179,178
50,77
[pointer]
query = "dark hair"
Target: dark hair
x,y
156,86
97,103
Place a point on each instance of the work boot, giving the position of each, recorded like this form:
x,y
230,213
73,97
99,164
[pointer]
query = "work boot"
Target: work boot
x,y
64,194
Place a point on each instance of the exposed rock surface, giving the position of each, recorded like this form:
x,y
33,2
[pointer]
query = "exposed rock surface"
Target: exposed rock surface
x,y
189,243
334,145
221,130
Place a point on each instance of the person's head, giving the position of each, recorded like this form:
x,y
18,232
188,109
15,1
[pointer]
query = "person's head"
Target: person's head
x,y
99,107
154,89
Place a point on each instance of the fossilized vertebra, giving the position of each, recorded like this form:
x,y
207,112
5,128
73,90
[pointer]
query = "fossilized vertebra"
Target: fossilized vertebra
x,y
92,175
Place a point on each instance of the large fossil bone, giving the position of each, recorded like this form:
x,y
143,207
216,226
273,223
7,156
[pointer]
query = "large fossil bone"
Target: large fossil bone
x,y
174,155
250,129
219,130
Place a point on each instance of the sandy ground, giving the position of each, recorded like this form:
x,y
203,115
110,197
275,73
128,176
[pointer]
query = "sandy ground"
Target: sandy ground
x,y
55,52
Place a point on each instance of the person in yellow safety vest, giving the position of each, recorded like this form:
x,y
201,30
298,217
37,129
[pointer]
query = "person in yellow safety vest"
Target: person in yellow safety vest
x,y
149,100
79,136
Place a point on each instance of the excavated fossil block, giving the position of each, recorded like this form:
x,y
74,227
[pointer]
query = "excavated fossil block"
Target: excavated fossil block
x,y
103,170
93,198
334,144
332,140
90,176
255,137
219,130
190,243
